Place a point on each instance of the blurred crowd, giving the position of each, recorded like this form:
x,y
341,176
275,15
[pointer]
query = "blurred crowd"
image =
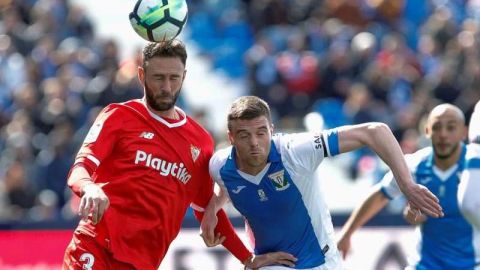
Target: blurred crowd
x,y
55,76
355,61
347,61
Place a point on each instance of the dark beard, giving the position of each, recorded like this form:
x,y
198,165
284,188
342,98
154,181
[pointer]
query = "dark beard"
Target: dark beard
x,y
158,106
446,155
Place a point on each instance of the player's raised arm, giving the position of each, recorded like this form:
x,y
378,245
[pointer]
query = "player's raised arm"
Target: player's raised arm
x,y
380,139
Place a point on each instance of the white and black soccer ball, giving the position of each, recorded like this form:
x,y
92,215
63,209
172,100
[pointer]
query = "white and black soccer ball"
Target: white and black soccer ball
x,y
159,20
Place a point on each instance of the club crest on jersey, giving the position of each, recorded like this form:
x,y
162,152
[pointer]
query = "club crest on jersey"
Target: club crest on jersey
x,y
261,194
195,152
279,181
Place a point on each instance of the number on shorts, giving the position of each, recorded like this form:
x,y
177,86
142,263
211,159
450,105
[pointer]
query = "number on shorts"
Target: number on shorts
x,y
88,259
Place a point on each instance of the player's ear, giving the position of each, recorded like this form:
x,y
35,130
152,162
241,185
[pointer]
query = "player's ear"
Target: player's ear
x,y
141,74
272,128
230,137
428,131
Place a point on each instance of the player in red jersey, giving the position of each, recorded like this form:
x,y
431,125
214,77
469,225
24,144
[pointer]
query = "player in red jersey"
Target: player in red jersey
x,y
142,164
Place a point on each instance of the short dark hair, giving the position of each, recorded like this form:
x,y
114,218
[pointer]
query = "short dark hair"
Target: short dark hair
x,y
170,48
247,108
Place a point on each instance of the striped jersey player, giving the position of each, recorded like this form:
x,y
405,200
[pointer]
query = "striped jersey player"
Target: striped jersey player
x,y
444,243
270,181
448,242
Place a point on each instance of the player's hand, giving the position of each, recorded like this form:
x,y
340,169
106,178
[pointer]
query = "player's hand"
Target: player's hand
x,y
344,244
422,199
93,201
207,227
272,258
413,215
215,241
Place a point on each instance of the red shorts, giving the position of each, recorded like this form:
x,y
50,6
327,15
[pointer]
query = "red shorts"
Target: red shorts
x,y
84,253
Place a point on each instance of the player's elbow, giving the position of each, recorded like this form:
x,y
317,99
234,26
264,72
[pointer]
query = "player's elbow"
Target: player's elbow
x,y
378,128
376,131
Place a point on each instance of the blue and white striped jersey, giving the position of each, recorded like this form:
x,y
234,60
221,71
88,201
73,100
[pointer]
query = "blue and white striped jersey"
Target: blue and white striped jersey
x,y
282,205
448,242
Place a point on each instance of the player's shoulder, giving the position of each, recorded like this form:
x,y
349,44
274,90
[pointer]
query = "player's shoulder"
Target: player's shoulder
x,y
198,127
219,158
473,151
221,155
290,140
419,156
122,109
113,112
472,157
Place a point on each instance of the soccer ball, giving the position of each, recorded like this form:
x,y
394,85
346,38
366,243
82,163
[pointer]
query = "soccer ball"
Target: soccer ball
x,y
159,20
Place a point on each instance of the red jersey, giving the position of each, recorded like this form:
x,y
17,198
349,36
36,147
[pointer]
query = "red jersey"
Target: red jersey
x,y
151,170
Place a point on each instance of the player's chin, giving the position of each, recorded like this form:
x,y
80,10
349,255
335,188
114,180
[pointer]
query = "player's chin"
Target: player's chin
x,y
163,106
257,160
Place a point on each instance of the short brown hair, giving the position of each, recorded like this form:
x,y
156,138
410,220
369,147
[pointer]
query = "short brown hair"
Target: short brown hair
x,y
247,108
170,48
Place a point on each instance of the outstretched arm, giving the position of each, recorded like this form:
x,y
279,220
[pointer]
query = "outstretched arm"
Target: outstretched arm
x,y
375,202
380,139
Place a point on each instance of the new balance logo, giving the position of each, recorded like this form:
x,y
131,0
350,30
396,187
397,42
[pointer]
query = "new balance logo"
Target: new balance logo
x,y
147,135
238,189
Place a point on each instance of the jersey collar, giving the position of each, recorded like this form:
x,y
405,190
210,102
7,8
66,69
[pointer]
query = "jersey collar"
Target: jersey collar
x,y
165,122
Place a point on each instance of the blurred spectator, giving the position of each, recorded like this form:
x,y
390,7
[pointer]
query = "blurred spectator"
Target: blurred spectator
x,y
18,194
55,74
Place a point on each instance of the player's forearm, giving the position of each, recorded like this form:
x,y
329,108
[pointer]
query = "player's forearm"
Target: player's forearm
x,y
375,202
78,178
232,242
382,141
224,227
216,203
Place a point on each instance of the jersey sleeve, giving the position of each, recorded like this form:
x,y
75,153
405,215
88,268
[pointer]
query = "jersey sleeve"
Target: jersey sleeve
x,y
101,137
98,143
216,163
205,193
307,150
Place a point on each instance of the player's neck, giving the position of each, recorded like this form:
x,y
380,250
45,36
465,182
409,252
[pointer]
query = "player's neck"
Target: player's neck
x,y
446,163
248,169
170,113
